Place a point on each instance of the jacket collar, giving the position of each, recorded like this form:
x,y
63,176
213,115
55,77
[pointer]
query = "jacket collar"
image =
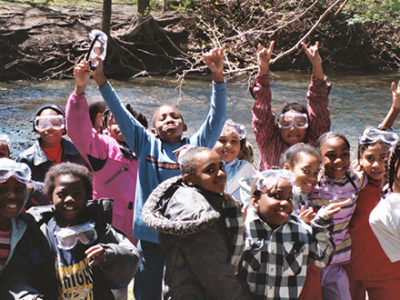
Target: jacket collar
x,y
39,157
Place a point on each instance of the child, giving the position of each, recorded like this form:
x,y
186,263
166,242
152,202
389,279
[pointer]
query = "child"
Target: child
x,y
199,228
278,245
5,145
231,146
112,162
369,268
72,253
97,107
157,161
14,178
337,183
296,123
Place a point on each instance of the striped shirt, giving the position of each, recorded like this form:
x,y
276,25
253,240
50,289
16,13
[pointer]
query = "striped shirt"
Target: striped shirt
x,y
337,190
5,238
267,132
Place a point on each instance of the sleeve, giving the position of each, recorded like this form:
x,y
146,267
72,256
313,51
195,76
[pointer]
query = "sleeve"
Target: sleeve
x,y
122,259
263,121
134,133
80,129
317,106
322,246
211,128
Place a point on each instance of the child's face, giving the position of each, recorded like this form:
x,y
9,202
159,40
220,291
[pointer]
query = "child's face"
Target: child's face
x,y
373,161
305,169
168,124
292,135
50,137
335,157
275,205
228,146
115,131
209,172
4,151
12,199
69,198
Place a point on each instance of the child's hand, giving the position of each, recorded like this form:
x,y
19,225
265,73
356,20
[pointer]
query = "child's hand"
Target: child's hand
x,y
96,255
306,214
244,211
396,95
315,59
98,74
215,62
263,58
82,76
334,208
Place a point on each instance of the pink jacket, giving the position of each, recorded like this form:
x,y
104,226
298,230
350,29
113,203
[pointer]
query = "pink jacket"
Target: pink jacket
x,y
114,176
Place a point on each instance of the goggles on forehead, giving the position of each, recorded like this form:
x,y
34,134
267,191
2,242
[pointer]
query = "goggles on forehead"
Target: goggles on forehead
x,y
373,135
47,122
290,119
264,178
68,237
236,128
9,168
5,139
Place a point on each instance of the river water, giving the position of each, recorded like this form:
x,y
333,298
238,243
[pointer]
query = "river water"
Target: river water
x,y
355,101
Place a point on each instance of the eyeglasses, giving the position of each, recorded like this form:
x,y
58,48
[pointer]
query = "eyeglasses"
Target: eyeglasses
x,y
9,168
290,119
47,122
68,237
373,135
272,175
236,128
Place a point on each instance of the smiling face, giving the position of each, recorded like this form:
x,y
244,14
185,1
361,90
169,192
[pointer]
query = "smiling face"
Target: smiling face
x,y
50,137
305,169
292,135
228,146
335,155
209,172
69,198
275,205
12,199
168,124
373,161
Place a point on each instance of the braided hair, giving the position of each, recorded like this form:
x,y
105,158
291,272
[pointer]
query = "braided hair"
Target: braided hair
x,y
394,164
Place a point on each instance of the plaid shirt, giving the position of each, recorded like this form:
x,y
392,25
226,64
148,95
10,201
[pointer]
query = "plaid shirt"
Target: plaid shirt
x,y
274,262
267,132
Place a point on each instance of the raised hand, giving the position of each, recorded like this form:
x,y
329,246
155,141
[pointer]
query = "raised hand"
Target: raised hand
x,y
82,76
263,58
214,60
96,255
396,95
306,215
315,59
335,207
98,74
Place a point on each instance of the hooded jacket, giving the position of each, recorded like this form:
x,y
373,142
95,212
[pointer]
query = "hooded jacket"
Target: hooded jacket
x,y
31,273
202,234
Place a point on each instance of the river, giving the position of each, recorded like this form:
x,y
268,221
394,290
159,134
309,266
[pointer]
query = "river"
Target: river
x,y
355,101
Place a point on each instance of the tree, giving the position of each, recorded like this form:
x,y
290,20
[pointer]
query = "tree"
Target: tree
x,y
106,17
143,6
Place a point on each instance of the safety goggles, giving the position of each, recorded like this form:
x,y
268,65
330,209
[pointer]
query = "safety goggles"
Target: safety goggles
x,y
68,237
236,128
373,135
265,178
9,168
5,139
290,119
47,122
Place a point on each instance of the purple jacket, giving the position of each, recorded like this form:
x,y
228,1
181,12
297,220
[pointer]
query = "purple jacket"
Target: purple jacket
x,y
114,175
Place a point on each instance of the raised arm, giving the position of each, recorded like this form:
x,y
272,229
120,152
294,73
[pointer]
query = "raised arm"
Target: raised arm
x,y
317,94
394,109
211,129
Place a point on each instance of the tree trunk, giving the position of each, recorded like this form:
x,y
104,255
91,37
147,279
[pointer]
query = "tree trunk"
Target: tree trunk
x,y
143,6
106,17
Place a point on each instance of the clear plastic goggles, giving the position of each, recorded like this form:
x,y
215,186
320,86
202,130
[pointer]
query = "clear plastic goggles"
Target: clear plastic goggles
x,y
290,119
68,237
373,135
265,178
9,168
98,47
236,128
5,139
47,122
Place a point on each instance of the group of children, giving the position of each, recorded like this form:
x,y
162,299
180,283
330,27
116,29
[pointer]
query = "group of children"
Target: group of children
x,y
207,225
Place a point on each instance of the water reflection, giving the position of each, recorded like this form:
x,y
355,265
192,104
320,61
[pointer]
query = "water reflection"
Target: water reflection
x,y
355,101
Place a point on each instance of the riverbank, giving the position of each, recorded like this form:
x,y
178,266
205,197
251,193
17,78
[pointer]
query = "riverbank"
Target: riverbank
x,y
43,41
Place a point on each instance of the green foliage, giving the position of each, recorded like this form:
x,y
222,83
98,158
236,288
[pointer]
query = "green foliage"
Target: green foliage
x,y
373,11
